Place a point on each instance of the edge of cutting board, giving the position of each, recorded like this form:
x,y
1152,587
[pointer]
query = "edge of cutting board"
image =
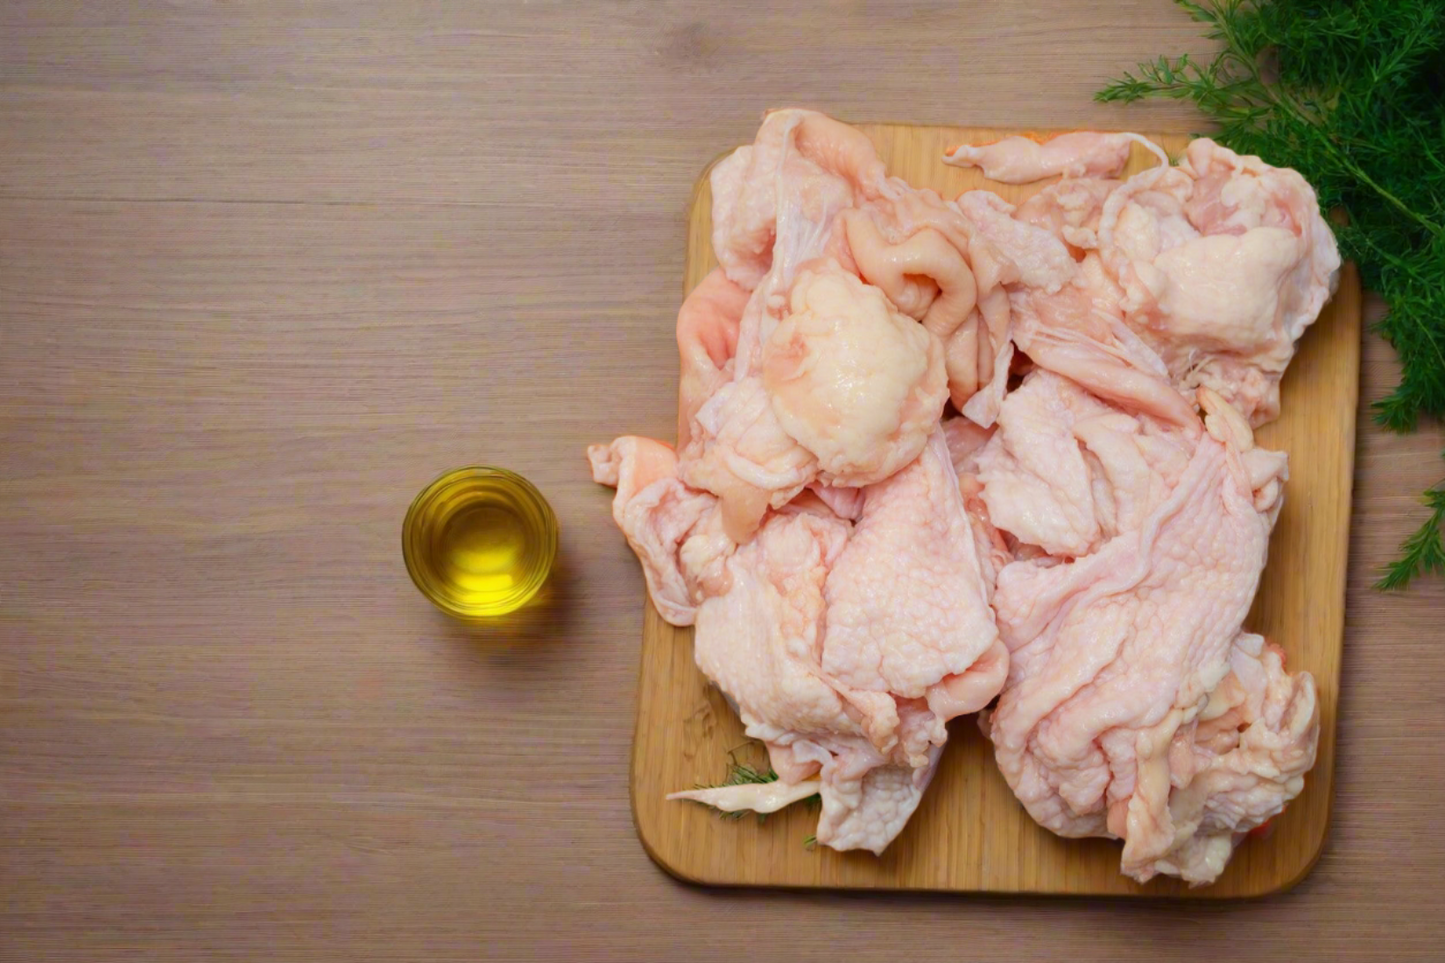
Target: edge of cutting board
x,y
699,848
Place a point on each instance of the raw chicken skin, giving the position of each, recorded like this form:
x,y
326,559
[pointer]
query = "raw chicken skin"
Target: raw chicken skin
x,y
909,643
707,340
1245,755
1064,314
1224,261
925,275
738,451
799,376
847,391
1115,654
760,642
759,611
1065,471
869,812
933,262
1035,482
1030,255
1077,332
774,207
810,186
1023,160
965,440
1078,544
1070,210
1219,264
802,167
908,614
806,214
673,529
851,379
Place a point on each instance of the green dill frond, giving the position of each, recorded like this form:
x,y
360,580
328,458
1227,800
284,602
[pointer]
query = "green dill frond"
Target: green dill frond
x,y
740,774
1352,95
1423,552
810,842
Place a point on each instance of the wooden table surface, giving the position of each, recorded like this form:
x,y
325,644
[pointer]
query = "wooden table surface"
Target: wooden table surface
x,y
265,269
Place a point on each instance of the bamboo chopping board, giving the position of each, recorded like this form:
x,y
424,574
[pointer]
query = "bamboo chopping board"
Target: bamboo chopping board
x,y
969,833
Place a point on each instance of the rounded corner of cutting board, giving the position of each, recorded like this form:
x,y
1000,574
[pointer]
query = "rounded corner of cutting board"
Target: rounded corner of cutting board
x,y
912,151
654,852
671,860
1267,887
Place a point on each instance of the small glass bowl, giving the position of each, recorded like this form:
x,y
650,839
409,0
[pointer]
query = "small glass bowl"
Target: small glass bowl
x,y
479,542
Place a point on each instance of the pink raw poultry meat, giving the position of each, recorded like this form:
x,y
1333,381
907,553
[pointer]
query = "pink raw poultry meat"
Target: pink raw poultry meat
x,y
907,642
812,380
1116,654
824,381
1066,471
966,439
759,641
795,214
1224,262
1022,160
856,715
859,574
1064,314
857,383
675,531
1241,759
1035,480
1078,332
707,341
1070,210
1219,265
908,614
1027,255
1070,475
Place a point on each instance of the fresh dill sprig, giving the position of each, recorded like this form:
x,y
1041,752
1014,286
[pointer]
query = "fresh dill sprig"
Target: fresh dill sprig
x,y
1352,95
1424,551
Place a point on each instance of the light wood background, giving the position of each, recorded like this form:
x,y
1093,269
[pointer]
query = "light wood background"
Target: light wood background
x,y
970,834
265,269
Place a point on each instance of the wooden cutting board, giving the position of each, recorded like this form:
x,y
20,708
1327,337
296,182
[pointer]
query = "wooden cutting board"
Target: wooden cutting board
x,y
970,834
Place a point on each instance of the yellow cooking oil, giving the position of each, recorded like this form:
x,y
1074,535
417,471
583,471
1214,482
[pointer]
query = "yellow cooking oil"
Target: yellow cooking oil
x,y
479,542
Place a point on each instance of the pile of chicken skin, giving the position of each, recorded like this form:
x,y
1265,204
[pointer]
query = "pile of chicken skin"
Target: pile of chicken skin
x,y
941,457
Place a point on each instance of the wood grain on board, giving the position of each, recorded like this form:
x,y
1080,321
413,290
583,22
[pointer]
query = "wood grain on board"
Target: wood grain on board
x,y
969,833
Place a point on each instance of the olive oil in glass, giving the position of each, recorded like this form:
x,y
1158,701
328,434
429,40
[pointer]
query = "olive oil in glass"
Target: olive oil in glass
x,y
479,542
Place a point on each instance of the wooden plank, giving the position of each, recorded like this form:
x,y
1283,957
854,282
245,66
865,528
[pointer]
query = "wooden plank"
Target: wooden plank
x,y
970,834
